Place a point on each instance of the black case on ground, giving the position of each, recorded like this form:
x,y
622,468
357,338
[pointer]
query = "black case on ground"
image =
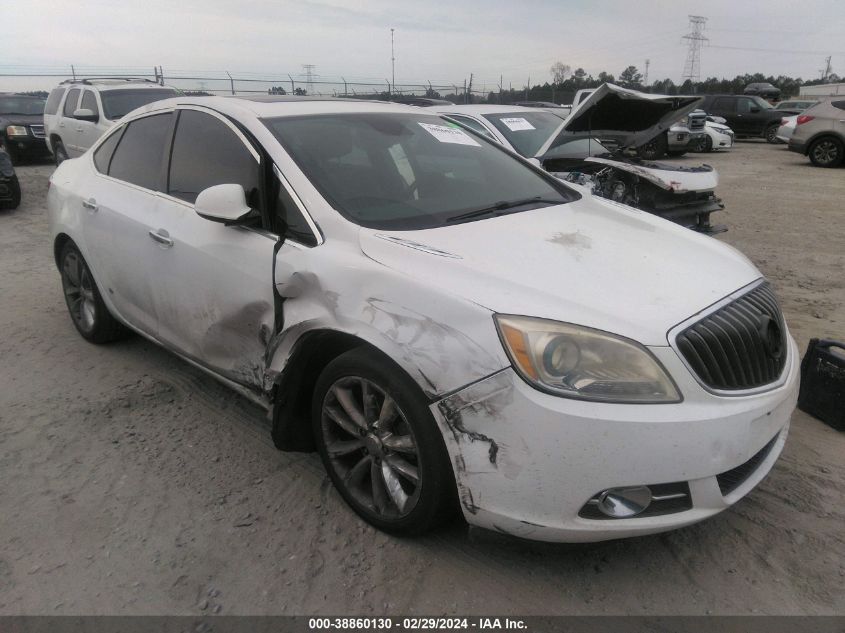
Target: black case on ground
x,y
822,392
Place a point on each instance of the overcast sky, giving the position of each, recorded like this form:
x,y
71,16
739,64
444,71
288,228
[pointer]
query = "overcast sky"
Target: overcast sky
x,y
437,40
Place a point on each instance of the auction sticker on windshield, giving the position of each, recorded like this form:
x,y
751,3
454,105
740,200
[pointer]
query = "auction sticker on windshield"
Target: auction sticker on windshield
x,y
516,124
446,134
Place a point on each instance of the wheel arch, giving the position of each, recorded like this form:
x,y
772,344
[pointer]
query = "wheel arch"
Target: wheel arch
x,y
822,134
58,244
293,388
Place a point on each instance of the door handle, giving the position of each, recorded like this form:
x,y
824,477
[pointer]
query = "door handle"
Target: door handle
x,y
162,237
90,204
79,129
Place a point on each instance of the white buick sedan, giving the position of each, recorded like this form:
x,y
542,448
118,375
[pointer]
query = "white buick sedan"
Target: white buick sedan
x,y
447,324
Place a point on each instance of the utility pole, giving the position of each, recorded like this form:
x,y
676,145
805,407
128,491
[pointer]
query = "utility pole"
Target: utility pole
x,y
392,64
231,82
645,78
695,39
470,88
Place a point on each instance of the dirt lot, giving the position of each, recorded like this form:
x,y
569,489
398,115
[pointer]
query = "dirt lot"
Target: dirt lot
x,y
134,484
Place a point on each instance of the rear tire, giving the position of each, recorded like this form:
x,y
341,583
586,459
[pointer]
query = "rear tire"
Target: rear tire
x,y
708,144
84,302
60,152
386,457
826,152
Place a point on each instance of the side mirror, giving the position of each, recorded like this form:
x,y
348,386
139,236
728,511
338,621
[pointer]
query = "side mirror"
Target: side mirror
x,y
86,114
222,203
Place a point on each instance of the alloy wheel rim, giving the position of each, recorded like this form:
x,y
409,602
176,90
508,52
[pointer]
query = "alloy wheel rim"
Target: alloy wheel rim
x,y
371,447
825,152
79,292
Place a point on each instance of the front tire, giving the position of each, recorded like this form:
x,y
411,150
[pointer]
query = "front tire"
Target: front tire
x,y
826,152
380,444
708,144
84,302
15,198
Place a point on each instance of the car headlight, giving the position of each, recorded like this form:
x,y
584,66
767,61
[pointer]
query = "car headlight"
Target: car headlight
x,y
580,362
16,130
684,122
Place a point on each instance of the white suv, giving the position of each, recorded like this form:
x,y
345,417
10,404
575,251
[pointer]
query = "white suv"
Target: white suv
x,y
447,324
78,112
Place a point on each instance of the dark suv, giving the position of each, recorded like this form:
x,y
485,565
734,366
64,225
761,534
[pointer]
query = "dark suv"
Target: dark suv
x,y
22,126
747,115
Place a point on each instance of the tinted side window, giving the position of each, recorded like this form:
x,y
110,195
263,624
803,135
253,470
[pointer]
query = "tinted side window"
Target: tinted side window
x,y
138,156
207,153
102,157
838,104
53,101
89,101
71,101
724,104
744,106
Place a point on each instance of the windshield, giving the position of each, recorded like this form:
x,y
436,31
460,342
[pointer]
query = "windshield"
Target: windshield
x,y
22,105
410,171
760,101
526,131
119,103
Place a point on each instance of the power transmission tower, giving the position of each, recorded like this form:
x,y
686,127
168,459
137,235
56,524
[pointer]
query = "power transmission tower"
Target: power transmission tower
x,y
695,39
827,69
645,77
309,77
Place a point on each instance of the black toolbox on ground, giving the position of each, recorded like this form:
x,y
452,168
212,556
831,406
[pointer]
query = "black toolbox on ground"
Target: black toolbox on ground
x,y
822,392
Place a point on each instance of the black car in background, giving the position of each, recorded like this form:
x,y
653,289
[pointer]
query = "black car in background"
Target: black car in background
x,y
10,188
22,126
747,115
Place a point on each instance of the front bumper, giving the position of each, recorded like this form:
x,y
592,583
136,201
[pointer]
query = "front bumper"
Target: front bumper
x,y
526,463
722,140
28,145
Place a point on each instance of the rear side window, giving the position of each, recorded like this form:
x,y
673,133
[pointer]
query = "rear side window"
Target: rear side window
x,y
207,153
138,156
53,101
724,104
103,154
89,102
472,124
71,101
838,104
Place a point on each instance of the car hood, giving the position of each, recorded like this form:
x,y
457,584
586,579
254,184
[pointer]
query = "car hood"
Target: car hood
x,y
590,262
628,117
21,119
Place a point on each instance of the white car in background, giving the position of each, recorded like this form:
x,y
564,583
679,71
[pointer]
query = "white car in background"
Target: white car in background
x,y
719,136
449,325
79,111
787,128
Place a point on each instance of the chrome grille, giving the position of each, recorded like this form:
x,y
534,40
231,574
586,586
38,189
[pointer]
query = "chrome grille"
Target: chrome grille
x,y
697,123
742,345
37,131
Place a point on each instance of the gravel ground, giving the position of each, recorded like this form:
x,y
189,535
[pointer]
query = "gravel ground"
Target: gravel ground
x,y
134,484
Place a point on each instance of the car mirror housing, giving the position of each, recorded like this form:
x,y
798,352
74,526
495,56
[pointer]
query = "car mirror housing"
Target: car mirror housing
x,y
222,203
86,114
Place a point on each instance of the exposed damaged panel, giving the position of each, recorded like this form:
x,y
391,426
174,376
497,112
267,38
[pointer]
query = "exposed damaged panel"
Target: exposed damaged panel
x,y
442,341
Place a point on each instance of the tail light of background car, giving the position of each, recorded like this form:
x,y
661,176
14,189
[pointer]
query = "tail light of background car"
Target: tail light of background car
x,y
804,118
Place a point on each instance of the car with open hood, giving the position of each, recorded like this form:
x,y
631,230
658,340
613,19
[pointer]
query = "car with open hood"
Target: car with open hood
x,y
593,147
448,325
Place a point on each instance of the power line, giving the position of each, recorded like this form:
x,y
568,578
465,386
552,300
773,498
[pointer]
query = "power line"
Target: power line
x,y
775,50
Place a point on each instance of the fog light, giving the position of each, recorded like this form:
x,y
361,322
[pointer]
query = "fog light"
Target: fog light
x,y
621,503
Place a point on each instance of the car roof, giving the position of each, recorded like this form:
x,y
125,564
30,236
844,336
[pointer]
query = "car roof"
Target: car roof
x,y
269,106
483,109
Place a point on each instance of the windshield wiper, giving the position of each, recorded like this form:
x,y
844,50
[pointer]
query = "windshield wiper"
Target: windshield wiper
x,y
502,205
